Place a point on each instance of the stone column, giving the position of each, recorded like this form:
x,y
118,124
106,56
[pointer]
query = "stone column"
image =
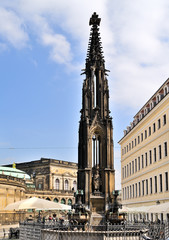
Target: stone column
x,y
6,197
53,186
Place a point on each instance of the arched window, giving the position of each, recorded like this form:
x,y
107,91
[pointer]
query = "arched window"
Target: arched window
x,y
69,201
74,185
95,151
95,91
158,99
66,184
48,199
57,184
165,91
56,200
40,186
63,201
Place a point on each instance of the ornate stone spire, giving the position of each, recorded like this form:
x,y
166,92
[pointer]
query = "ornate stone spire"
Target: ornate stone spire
x,y
95,157
95,56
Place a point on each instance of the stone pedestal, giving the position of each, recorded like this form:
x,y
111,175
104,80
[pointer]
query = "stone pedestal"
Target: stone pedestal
x,y
98,207
97,219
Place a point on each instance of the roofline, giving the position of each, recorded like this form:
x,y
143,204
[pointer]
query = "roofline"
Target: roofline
x,y
152,96
148,112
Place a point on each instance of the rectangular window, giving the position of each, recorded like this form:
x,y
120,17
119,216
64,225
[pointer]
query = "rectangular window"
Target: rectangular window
x,y
143,188
159,123
162,217
129,146
141,136
151,186
133,190
146,186
130,192
155,184
136,189
139,163
150,155
142,161
127,192
132,144
135,165
145,134
165,149
123,193
149,131
139,189
154,127
146,160
166,181
135,141
159,149
127,170
161,183
155,155
132,167
138,139
164,119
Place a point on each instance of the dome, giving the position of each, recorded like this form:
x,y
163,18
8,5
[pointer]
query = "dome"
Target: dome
x,y
8,171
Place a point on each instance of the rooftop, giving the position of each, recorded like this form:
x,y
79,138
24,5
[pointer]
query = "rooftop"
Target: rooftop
x,y
161,93
8,171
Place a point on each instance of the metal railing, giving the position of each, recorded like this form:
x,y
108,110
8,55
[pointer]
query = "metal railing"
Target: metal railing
x,y
58,231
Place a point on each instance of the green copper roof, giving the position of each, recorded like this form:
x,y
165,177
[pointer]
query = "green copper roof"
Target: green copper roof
x,y
14,172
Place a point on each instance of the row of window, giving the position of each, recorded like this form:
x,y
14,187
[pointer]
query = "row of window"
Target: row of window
x,y
57,185
63,201
66,185
144,160
145,187
144,135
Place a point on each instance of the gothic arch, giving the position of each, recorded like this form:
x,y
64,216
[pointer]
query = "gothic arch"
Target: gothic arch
x,y
97,130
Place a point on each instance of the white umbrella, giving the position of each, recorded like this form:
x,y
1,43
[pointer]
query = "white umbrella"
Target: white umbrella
x,y
142,209
38,204
159,208
124,209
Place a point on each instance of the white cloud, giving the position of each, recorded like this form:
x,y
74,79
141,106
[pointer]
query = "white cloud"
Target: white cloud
x,y
12,29
60,48
135,39
139,64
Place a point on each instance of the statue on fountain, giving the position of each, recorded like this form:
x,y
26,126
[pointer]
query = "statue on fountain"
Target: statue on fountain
x,y
79,216
113,215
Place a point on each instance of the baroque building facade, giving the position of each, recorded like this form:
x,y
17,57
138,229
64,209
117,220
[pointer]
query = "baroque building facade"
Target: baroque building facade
x,y
95,151
54,180
145,153
14,184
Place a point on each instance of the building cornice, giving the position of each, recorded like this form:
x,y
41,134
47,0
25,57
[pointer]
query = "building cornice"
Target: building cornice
x,y
145,117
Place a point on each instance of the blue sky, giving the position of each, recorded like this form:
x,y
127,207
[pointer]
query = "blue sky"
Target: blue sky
x,y
43,46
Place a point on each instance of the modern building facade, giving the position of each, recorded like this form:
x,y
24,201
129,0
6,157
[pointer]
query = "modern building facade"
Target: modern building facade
x,y
145,153
54,180
95,156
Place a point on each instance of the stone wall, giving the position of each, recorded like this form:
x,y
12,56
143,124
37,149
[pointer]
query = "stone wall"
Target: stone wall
x,y
7,218
83,235
12,189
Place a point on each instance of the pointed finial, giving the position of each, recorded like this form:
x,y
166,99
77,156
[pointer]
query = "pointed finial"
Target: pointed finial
x,y
14,165
94,20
